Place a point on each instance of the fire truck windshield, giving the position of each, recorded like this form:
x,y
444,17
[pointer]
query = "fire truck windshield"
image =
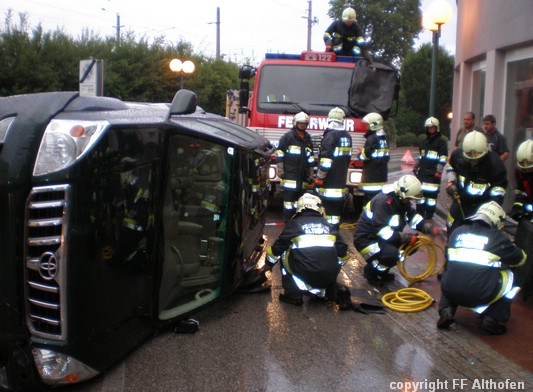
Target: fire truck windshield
x,y
293,88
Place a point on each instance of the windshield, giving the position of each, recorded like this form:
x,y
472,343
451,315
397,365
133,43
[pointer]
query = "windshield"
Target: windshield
x,y
294,88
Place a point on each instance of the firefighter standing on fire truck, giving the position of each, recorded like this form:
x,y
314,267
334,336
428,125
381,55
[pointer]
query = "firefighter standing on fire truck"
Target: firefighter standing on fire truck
x,y
345,37
375,156
429,166
478,272
295,163
476,175
333,161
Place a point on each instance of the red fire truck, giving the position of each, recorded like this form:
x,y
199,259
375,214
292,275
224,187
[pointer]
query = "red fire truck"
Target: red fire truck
x,y
314,82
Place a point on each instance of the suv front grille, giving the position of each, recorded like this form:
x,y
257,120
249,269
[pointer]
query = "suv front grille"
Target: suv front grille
x,y
45,257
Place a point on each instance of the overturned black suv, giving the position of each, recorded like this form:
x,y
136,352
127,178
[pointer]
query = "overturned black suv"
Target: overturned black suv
x,y
117,219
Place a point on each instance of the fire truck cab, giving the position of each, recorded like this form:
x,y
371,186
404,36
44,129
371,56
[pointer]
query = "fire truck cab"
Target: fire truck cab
x,y
315,82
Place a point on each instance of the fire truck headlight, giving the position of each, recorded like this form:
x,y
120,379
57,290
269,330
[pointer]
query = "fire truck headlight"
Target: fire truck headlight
x,y
272,172
65,141
354,177
58,369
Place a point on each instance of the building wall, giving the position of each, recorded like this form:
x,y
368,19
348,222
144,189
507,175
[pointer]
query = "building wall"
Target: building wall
x,y
494,69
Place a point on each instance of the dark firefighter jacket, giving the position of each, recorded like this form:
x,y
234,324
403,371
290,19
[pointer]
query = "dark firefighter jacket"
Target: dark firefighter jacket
x,y
383,218
338,32
480,183
296,153
375,156
432,159
523,202
476,254
333,161
313,249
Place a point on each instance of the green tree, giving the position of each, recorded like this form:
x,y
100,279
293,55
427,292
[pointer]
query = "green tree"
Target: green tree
x,y
391,25
134,69
415,89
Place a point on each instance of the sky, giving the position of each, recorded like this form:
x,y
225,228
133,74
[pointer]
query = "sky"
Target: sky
x,y
248,28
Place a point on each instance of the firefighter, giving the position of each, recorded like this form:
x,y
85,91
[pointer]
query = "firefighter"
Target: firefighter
x,y
312,254
375,156
379,230
345,37
429,166
475,175
523,202
522,210
295,163
478,273
333,161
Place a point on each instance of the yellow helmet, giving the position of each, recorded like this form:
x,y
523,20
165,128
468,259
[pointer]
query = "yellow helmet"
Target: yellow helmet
x,y
408,187
349,15
310,202
524,155
301,117
337,115
374,121
475,145
432,122
492,213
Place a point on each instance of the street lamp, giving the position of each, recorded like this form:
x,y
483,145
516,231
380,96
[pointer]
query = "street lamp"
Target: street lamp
x,y
437,14
176,65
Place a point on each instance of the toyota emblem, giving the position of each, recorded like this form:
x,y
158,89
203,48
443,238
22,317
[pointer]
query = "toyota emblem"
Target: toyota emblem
x,y
48,266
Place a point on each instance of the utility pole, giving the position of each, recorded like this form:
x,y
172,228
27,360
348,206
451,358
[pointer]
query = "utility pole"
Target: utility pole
x,y
218,34
310,22
118,28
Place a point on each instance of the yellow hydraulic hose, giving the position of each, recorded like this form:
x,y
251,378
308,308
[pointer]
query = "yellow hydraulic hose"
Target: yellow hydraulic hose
x,y
411,299
433,267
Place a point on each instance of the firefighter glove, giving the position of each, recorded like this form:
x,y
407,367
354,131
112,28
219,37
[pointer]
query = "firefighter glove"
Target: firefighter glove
x,y
319,182
408,239
451,189
430,229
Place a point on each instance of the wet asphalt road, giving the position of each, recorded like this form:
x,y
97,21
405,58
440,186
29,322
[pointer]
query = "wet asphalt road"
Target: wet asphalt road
x,y
252,342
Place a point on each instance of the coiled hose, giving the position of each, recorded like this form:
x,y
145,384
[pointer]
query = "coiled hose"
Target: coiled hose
x,y
411,299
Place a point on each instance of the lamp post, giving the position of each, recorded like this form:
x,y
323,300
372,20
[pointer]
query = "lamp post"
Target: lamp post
x,y
438,13
185,67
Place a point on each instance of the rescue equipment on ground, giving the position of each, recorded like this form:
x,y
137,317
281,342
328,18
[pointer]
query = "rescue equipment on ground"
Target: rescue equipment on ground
x,y
407,300
411,299
435,252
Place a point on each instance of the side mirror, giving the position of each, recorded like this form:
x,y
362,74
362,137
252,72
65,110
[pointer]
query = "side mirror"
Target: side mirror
x,y
184,102
245,73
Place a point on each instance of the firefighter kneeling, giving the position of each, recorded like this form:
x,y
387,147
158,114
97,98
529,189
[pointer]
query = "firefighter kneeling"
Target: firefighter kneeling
x,y
312,254
379,231
478,274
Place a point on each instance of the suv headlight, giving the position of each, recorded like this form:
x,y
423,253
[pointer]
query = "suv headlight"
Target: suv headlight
x,y
59,369
65,141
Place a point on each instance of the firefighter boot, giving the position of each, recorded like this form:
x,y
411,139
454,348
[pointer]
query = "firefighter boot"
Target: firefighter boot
x,y
492,326
447,318
341,295
293,300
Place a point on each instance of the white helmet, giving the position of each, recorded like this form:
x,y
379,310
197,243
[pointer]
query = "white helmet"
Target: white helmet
x,y
301,117
337,115
374,121
475,145
310,202
524,155
349,15
432,122
492,213
408,187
